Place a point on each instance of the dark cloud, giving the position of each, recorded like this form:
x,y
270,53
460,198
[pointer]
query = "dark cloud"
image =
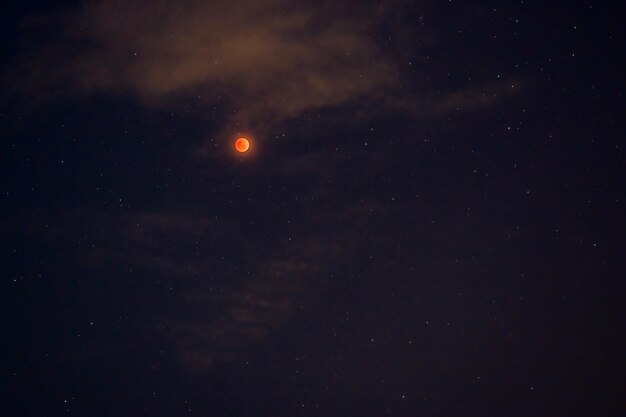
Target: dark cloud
x,y
277,290
475,97
210,289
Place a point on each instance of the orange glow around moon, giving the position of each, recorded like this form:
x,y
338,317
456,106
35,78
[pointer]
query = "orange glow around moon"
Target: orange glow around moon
x,y
242,145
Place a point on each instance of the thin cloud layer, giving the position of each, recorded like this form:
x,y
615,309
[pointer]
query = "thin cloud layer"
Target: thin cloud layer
x,y
266,60
260,63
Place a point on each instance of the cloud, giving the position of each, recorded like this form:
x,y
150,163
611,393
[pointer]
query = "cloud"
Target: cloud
x,y
209,289
265,60
475,97
259,63
280,288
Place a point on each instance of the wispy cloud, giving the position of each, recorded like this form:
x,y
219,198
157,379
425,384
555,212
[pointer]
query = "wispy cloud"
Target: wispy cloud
x,y
261,62
265,60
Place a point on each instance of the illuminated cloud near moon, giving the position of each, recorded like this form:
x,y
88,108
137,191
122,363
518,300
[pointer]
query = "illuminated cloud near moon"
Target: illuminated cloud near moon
x,y
260,62
263,61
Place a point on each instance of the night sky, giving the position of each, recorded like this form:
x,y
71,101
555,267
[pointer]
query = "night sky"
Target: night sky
x,y
430,220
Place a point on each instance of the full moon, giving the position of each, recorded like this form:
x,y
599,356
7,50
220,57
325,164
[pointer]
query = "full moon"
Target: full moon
x,y
242,145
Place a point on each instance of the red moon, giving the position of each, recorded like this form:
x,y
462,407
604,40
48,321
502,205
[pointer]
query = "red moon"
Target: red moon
x,y
242,145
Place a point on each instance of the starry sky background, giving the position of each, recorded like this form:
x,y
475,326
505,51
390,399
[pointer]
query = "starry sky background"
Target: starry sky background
x,y
431,223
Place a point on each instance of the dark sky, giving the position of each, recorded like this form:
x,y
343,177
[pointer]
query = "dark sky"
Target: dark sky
x,y
430,221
